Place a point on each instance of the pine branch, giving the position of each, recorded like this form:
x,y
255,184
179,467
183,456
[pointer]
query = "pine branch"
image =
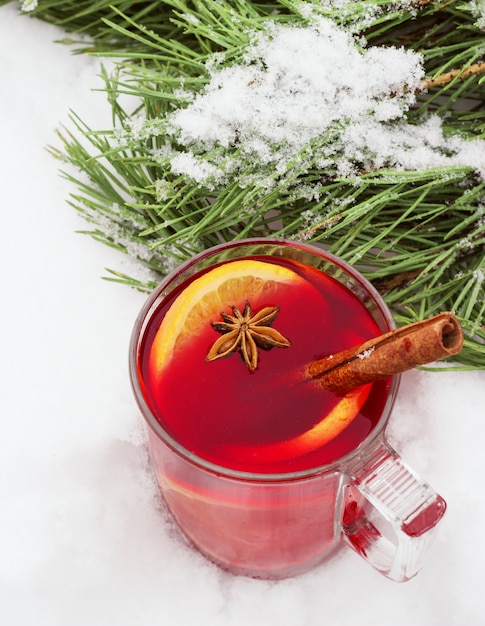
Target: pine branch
x,y
417,233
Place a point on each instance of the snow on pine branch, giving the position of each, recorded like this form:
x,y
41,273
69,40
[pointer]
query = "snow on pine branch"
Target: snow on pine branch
x,y
308,97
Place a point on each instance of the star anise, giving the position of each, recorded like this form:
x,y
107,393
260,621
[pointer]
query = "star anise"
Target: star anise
x,y
247,332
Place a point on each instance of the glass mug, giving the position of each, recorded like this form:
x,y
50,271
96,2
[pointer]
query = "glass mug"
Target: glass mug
x,y
283,524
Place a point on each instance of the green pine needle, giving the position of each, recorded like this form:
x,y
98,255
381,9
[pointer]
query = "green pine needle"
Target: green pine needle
x,y
419,236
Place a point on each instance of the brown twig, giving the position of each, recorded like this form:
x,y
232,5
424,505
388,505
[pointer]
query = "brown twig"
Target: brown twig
x,y
444,79
326,223
395,281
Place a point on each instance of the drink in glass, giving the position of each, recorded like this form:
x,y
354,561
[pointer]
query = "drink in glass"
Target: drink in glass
x,y
265,470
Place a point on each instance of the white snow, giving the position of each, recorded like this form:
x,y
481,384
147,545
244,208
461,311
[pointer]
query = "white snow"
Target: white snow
x,y
29,5
366,353
311,86
478,9
84,538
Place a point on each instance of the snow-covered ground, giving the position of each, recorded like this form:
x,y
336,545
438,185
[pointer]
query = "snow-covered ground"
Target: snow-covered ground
x,y
84,538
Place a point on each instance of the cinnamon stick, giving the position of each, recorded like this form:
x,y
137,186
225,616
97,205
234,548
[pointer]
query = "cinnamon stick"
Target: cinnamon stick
x,y
394,352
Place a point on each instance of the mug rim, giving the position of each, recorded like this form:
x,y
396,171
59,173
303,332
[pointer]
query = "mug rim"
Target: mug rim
x,y
152,302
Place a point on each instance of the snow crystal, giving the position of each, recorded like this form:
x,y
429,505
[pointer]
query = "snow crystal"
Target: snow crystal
x,y
464,244
311,97
29,5
478,10
478,275
191,18
366,353
163,190
200,170
356,15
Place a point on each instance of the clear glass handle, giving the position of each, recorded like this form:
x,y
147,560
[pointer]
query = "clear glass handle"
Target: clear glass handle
x,y
389,514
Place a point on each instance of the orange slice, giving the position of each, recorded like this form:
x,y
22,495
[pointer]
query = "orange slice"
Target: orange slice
x,y
231,284
216,291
